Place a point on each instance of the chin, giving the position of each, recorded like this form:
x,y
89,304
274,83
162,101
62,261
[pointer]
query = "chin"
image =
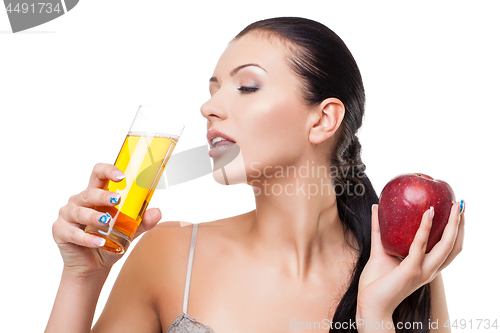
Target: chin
x,y
229,168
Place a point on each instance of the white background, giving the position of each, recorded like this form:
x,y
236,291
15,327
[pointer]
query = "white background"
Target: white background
x,y
69,90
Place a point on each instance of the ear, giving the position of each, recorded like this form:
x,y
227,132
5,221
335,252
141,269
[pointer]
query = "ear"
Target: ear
x,y
326,118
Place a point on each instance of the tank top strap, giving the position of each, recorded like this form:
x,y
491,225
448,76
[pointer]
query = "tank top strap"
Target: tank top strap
x,y
189,268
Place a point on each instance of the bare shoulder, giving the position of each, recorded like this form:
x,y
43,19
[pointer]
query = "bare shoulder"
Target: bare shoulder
x,y
162,252
160,258
151,278
224,235
166,235
173,237
156,270
168,243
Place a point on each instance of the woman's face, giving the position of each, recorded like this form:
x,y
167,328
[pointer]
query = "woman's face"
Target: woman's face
x,y
256,100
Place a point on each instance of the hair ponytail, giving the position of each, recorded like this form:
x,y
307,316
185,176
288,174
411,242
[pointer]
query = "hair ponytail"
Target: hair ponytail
x,y
327,69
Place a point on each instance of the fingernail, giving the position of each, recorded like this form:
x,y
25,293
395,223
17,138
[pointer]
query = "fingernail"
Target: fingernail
x,y
118,174
161,214
462,206
431,213
98,241
105,218
373,206
114,198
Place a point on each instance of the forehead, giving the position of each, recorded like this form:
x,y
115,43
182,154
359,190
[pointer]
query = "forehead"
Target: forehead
x,y
268,52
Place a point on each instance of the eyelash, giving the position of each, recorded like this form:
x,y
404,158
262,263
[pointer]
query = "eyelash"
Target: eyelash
x,y
247,90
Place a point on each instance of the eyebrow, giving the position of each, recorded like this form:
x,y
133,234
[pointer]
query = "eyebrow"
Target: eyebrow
x,y
234,71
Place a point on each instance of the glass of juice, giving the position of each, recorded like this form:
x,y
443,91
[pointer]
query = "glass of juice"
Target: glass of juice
x,y
142,158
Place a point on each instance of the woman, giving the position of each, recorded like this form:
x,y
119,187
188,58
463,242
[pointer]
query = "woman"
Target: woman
x,y
288,92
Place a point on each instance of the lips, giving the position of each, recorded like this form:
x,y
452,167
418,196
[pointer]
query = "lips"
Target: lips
x,y
220,146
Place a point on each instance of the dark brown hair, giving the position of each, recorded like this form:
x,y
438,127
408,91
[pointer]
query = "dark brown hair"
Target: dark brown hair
x,y
327,69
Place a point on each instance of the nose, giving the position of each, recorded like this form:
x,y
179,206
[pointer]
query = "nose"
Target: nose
x,y
212,109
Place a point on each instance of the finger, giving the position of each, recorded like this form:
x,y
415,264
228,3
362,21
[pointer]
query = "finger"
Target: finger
x,y
64,233
150,220
376,246
103,172
419,245
459,243
96,197
440,252
85,216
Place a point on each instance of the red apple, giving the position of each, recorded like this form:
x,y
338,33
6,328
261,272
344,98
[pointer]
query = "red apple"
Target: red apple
x,y
403,202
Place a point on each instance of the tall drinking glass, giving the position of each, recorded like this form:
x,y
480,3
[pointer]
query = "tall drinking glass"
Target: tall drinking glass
x,y
142,158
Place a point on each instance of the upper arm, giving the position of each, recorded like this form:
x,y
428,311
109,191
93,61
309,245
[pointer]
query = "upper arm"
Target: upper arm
x,y
439,309
152,270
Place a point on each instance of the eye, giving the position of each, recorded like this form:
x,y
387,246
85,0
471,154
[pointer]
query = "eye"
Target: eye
x,y
247,90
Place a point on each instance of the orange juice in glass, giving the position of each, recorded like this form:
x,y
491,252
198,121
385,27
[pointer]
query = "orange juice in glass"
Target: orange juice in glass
x,y
142,158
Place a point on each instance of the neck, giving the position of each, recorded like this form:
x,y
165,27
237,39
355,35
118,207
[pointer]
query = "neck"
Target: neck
x,y
296,222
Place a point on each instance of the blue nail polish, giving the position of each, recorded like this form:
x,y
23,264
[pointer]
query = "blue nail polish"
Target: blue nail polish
x,y
114,200
462,206
105,218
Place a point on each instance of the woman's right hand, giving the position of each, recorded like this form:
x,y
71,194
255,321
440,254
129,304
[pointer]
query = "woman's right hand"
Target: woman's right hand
x,y
80,251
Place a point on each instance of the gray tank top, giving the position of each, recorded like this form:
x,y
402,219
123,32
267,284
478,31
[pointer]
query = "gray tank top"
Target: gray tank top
x,y
185,323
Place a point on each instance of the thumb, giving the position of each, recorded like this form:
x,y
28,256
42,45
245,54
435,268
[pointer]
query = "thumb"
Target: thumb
x,y
149,221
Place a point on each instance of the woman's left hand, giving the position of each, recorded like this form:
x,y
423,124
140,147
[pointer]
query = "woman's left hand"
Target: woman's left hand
x,y
387,280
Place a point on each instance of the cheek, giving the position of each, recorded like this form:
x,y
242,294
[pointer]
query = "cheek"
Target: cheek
x,y
274,131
